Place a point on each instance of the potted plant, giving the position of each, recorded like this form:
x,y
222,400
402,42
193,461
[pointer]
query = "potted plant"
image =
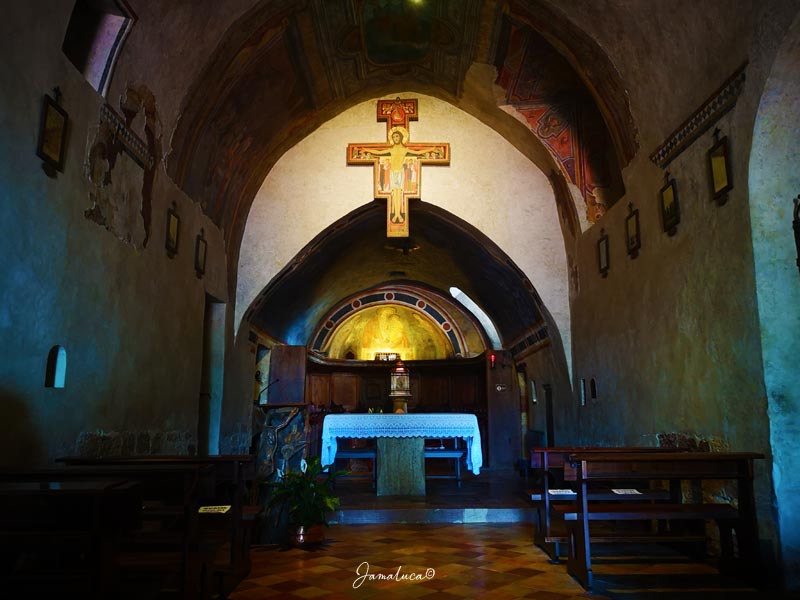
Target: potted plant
x,y
307,497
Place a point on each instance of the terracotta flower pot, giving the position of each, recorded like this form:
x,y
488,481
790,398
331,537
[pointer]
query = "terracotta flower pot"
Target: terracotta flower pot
x,y
301,535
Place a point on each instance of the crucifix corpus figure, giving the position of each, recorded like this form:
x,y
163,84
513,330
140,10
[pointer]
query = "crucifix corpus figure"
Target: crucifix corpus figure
x,y
397,163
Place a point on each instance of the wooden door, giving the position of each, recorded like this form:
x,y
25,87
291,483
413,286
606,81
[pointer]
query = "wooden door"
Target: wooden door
x,y
505,441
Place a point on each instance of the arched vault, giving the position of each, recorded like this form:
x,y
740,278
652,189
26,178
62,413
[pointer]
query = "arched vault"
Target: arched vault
x,y
284,68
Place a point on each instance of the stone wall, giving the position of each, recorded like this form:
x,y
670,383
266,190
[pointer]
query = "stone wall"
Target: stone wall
x,y
100,444
96,281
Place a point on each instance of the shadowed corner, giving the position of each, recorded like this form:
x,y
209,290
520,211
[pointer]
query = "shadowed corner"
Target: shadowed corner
x,y
21,445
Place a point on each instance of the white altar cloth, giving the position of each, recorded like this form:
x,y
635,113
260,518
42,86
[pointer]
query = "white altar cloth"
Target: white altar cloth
x,y
424,425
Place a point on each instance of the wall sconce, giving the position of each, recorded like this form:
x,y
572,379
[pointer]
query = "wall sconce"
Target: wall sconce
x,y
495,360
796,226
200,247
173,229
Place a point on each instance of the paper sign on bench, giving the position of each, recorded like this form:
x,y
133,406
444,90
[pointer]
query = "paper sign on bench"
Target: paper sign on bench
x,y
561,492
626,492
220,510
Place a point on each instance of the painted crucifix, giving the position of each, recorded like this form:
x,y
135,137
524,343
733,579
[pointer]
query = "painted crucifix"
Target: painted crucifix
x,y
397,163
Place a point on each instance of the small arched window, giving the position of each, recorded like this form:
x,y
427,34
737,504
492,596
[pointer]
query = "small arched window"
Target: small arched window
x,y
478,313
56,372
95,34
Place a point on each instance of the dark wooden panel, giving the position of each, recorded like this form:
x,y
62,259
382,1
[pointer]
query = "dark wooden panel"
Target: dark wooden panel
x,y
345,389
288,366
375,393
465,394
434,393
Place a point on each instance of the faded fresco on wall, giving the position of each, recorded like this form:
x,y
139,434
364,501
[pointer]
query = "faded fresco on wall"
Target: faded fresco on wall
x,y
120,166
542,86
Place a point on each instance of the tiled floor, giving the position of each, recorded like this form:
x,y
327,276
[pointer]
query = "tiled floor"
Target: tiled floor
x,y
400,548
432,561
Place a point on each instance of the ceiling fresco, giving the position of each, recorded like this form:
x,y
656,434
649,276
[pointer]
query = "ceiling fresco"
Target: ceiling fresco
x,y
396,32
369,42
547,92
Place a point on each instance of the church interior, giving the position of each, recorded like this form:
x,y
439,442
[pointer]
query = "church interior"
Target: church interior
x,y
217,233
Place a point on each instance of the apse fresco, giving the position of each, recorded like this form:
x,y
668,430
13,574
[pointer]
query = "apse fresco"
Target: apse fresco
x,y
389,328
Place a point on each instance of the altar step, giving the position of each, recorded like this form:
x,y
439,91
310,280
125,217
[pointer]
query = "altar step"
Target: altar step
x,y
491,497
432,515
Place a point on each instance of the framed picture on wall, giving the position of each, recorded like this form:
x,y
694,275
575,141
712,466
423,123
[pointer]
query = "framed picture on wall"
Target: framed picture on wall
x,y
602,253
719,169
670,209
52,134
200,247
173,231
633,235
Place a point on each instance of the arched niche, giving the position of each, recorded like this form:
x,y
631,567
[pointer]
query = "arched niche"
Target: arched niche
x,y
417,324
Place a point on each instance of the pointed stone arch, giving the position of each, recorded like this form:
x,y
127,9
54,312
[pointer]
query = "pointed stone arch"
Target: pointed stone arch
x,y
774,181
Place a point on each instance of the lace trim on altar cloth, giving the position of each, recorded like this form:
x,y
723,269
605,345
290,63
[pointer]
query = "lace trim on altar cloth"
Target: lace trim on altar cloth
x,y
425,425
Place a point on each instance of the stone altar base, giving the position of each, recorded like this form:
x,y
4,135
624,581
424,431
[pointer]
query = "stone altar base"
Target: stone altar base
x,y
401,467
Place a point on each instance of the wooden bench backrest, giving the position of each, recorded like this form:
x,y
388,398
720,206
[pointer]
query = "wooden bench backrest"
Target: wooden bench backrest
x,y
73,504
555,457
174,483
227,467
632,466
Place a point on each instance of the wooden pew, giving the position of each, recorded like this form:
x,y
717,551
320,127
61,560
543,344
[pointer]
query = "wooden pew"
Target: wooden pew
x,y
587,468
61,537
456,453
167,547
231,475
344,452
549,462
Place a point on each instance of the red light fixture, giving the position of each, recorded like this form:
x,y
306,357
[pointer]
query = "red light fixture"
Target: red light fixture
x,y
492,359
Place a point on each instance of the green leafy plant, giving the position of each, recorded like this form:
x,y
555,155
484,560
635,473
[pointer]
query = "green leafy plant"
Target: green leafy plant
x,y
306,494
